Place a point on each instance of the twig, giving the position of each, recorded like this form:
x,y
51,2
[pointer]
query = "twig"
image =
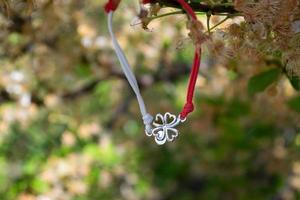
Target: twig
x,y
216,25
166,14
199,7
208,15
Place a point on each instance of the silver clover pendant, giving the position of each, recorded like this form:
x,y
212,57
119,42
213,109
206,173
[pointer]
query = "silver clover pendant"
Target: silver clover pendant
x,y
164,128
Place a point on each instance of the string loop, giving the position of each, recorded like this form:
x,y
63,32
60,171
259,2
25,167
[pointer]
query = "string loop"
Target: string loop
x,y
166,131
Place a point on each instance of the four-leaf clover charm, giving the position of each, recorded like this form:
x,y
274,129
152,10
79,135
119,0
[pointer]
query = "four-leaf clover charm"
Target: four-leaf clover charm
x,y
164,130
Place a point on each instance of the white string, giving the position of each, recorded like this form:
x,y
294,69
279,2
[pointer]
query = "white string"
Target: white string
x,y
147,118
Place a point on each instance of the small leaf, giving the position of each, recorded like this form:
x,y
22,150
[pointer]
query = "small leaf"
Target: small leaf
x,y
15,38
260,82
83,70
232,75
295,81
294,103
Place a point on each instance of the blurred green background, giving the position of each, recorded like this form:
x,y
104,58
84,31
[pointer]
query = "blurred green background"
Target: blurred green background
x,y
70,127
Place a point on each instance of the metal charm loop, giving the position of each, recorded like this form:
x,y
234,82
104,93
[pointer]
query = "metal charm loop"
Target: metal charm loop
x,y
164,128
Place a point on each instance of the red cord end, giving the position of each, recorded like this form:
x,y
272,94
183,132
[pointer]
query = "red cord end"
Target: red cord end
x,y
111,5
188,108
147,1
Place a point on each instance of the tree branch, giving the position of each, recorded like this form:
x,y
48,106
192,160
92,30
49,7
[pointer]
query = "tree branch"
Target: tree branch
x,y
199,7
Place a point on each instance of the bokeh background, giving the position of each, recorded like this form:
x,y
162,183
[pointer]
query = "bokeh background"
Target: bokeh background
x,y
70,127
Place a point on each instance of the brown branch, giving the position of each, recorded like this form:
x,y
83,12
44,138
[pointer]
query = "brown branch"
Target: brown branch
x,y
174,73
121,108
81,91
171,75
200,7
7,97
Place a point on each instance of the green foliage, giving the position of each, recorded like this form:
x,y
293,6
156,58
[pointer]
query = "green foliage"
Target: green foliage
x,y
70,127
83,70
15,38
261,81
295,81
294,103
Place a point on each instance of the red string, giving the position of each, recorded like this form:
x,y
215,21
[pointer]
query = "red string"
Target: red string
x,y
188,9
146,1
111,5
189,106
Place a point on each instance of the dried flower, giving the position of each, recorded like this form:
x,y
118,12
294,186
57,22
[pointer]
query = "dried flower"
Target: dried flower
x,y
196,32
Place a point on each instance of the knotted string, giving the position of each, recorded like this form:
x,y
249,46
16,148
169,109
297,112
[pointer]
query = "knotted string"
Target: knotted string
x,y
110,7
